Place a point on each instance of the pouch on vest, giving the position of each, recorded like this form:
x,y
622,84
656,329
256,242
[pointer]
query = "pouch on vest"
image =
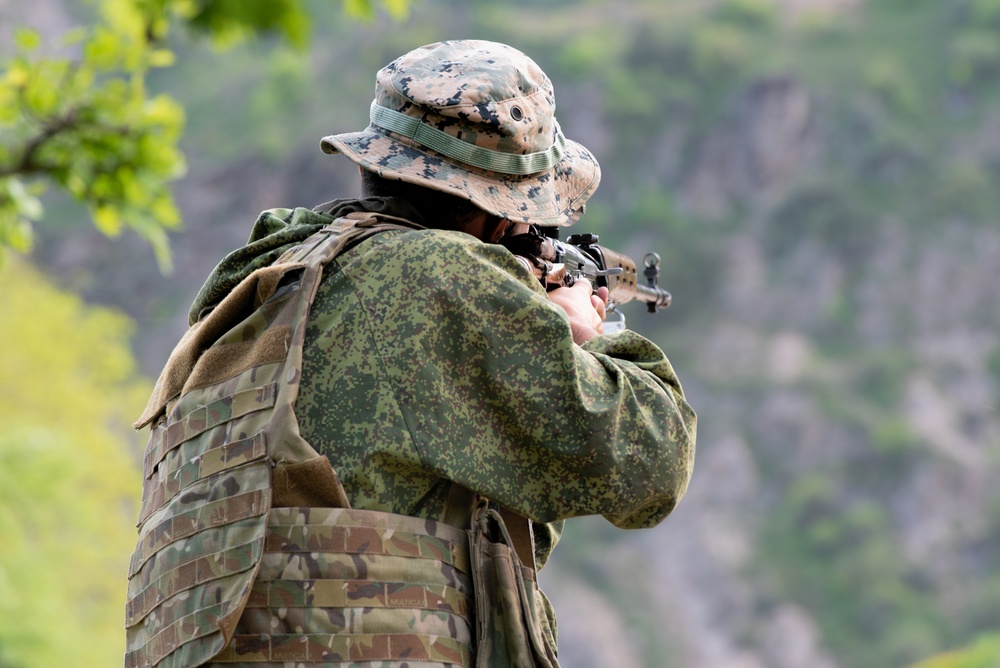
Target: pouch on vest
x,y
510,629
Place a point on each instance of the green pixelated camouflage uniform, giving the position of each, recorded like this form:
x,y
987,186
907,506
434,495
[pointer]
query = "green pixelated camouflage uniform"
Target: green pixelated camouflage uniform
x,y
431,358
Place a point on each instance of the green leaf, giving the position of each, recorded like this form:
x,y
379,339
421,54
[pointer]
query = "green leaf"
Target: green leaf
x,y
42,94
161,58
26,205
361,10
128,17
74,36
163,111
9,111
27,40
15,233
158,240
165,212
76,185
108,220
17,75
104,50
18,208
397,9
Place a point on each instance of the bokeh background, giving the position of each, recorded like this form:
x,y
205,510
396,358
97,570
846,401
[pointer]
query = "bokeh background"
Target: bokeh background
x,y
822,181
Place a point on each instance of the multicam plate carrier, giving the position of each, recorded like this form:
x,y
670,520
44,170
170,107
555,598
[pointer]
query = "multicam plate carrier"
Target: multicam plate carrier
x,y
220,576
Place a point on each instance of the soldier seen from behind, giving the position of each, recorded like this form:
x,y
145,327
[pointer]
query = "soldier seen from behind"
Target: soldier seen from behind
x,y
366,444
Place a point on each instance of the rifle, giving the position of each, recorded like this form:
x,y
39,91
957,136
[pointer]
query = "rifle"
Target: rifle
x,y
558,263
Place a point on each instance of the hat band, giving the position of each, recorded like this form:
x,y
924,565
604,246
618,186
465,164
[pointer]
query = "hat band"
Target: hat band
x,y
466,153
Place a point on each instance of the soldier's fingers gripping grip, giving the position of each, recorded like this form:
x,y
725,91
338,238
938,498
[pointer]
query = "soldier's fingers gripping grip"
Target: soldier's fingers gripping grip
x,y
584,309
599,298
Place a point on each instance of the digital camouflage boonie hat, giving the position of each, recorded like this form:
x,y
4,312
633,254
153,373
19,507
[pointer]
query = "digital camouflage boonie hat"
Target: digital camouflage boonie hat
x,y
474,119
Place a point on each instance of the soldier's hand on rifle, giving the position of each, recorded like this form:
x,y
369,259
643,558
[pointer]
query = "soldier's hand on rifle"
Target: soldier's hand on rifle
x,y
585,308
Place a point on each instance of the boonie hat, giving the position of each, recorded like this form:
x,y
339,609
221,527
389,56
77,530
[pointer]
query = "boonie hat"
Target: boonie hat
x,y
474,119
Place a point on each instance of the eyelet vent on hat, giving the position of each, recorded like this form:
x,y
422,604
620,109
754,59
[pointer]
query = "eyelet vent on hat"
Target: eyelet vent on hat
x,y
516,113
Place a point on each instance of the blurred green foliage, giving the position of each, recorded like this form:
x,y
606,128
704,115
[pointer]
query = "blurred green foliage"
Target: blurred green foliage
x,y
69,477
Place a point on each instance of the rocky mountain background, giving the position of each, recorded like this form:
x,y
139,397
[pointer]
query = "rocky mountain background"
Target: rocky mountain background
x,y
822,180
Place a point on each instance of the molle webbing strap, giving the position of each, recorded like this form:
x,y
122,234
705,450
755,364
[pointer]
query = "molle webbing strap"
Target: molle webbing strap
x,y
206,417
204,517
346,648
178,473
365,540
314,593
345,586
188,574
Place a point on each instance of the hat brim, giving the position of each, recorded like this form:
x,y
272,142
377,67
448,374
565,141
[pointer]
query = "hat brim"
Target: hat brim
x,y
552,198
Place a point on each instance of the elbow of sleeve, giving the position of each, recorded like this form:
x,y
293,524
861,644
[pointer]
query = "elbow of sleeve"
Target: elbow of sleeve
x,y
655,508
661,487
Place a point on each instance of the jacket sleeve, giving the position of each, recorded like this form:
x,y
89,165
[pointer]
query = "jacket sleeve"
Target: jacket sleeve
x,y
497,397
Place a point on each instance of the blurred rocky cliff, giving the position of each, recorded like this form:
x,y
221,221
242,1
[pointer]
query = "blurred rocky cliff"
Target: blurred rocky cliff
x,y
821,179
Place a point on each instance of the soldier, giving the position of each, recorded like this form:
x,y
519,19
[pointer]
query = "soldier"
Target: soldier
x,y
368,441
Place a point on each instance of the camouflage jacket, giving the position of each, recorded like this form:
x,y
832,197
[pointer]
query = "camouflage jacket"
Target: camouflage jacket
x,y
432,357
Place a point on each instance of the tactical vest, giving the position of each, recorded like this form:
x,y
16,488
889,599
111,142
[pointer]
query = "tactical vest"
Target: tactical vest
x,y
248,550
220,572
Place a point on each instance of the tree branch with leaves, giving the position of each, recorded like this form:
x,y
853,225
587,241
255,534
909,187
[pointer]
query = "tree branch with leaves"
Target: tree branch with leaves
x,y
77,115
